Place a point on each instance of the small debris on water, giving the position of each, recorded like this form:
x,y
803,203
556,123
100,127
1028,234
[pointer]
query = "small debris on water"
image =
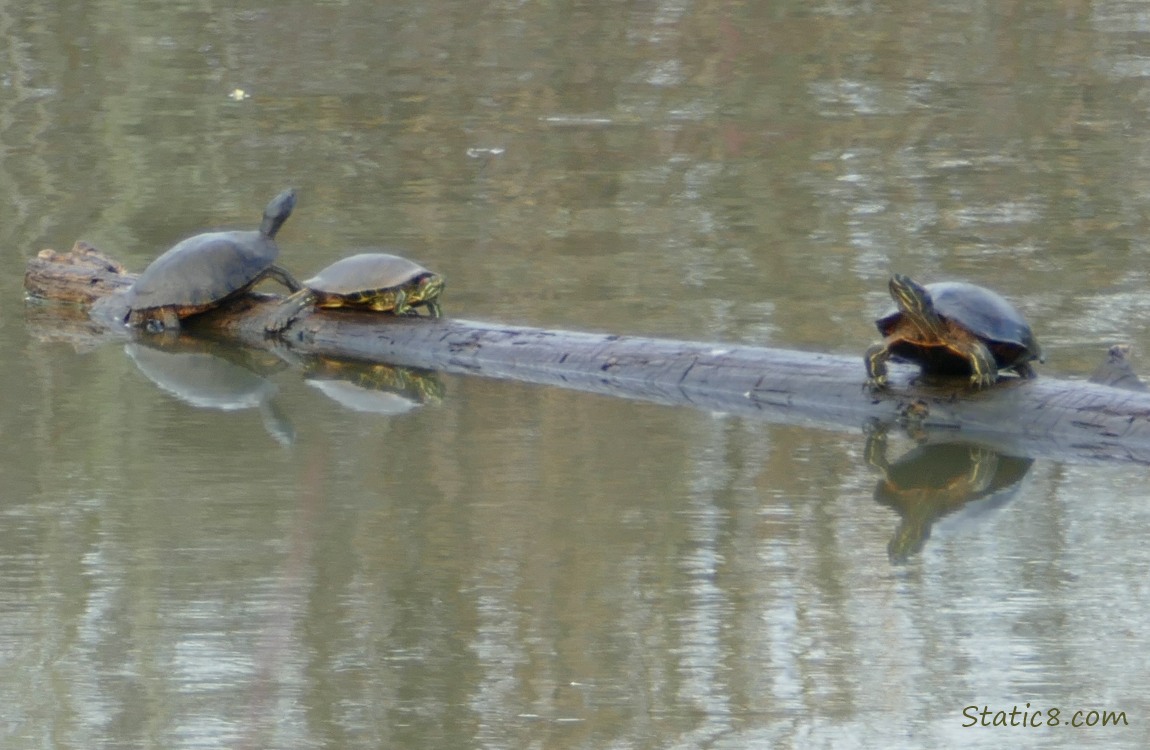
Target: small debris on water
x,y
576,121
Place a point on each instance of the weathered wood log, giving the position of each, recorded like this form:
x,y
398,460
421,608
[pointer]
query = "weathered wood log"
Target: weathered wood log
x,y
82,276
1050,417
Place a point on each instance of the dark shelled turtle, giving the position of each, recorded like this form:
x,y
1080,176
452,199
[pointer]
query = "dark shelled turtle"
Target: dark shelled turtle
x,y
952,328
372,281
202,271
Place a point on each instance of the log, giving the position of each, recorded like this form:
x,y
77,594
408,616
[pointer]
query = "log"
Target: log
x,y
1068,420
81,276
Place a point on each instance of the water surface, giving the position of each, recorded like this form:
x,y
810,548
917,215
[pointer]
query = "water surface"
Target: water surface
x,y
288,562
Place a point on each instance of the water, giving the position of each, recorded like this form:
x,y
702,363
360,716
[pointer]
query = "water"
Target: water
x,y
241,553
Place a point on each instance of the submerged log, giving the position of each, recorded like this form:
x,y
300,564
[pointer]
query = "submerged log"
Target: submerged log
x,y
1049,417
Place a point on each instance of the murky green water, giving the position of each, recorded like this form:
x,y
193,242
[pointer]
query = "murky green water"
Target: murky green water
x,y
201,552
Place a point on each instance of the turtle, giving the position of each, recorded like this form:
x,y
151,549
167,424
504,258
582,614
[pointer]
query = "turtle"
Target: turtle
x,y
372,280
952,328
203,271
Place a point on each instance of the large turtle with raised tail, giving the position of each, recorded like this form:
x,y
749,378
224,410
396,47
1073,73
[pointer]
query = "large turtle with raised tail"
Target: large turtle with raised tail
x,y
203,271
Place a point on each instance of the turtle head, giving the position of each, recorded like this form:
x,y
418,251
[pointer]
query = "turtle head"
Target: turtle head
x,y
912,299
278,212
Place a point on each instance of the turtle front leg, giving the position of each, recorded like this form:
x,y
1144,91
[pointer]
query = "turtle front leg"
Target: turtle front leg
x,y
876,358
1025,370
165,319
401,305
283,276
288,310
155,320
983,370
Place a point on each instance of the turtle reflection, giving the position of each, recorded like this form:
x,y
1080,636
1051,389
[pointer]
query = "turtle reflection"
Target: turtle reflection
x,y
373,388
209,376
938,479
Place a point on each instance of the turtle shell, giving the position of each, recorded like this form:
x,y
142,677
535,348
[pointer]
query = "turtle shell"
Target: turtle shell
x,y
365,273
201,271
985,314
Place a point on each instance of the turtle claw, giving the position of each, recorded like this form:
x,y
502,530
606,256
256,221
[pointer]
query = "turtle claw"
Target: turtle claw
x,y
979,382
983,372
281,318
278,322
288,311
161,319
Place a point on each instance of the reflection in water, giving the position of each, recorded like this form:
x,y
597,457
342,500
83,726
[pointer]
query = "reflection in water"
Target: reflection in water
x,y
357,398
211,377
370,388
938,479
708,170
